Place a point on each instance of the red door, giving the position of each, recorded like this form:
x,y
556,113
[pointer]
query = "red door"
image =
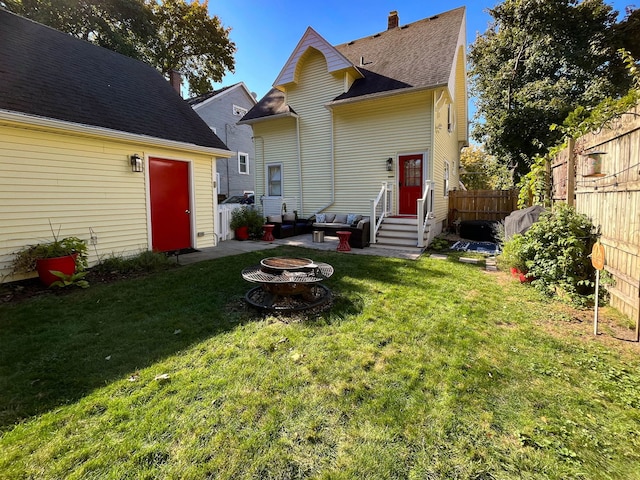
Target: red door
x,y
410,187
170,207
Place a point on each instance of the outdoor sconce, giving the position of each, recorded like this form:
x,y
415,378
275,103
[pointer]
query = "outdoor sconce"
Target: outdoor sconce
x,y
594,164
389,164
136,163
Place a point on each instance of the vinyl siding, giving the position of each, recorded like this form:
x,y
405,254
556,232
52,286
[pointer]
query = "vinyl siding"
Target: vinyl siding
x,y
276,142
218,113
367,134
446,150
80,183
308,98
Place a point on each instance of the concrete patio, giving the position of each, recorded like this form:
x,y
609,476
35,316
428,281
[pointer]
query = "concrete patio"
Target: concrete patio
x,y
235,247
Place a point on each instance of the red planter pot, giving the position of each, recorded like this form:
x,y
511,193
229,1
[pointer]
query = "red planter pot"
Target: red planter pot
x,y
242,233
520,275
45,266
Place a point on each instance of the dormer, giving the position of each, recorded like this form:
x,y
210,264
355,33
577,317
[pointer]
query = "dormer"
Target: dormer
x,y
337,64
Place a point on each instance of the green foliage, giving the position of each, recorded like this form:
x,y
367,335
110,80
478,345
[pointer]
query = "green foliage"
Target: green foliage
x,y
147,261
188,40
25,259
439,244
123,26
514,254
482,171
248,216
76,279
556,252
421,369
534,185
583,120
536,63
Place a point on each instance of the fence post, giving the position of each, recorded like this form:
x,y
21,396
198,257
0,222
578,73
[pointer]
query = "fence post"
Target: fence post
x,y
571,173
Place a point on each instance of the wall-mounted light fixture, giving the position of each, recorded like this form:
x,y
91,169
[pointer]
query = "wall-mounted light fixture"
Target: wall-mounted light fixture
x,y
389,164
594,164
136,162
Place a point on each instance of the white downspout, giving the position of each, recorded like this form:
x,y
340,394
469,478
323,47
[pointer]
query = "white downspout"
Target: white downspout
x,y
332,176
300,190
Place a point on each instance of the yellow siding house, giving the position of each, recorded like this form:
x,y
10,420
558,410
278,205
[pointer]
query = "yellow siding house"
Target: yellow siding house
x,y
372,127
97,145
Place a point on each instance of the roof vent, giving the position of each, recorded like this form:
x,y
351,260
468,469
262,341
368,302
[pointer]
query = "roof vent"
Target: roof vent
x,y
434,17
393,21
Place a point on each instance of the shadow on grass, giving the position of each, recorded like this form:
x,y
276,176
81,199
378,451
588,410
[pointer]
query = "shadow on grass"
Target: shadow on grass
x,y
57,349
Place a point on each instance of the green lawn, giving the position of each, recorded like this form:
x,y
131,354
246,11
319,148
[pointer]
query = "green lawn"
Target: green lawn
x,y
421,370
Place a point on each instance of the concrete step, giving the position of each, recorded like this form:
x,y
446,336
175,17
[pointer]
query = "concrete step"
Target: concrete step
x,y
396,241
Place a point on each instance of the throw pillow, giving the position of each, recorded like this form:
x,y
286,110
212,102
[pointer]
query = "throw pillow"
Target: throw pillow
x,y
289,217
340,218
321,217
274,219
353,218
329,217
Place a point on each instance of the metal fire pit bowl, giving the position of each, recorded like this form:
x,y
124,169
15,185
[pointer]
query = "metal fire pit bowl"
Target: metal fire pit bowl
x,y
287,284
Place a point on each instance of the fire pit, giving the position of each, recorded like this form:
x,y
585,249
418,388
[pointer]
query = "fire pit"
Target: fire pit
x,y
288,284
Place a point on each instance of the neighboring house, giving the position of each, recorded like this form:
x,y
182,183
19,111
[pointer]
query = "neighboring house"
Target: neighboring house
x,y
222,110
76,121
382,116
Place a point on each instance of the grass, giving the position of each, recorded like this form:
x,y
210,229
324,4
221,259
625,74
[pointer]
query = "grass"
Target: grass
x,y
427,369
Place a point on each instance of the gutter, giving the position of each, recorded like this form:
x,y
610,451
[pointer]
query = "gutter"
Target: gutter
x,y
93,131
251,121
389,93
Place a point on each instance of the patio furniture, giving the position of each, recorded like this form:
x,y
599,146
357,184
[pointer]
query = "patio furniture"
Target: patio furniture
x,y
268,232
343,237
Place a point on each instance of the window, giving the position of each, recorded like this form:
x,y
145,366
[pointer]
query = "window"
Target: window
x,y
243,163
446,179
450,118
239,111
274,180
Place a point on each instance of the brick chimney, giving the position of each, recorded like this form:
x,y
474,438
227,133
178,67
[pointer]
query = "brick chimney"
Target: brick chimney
x,y
175,79
393,20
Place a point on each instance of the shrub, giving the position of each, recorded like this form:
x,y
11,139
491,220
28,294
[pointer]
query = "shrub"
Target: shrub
x,y
555,253
146,261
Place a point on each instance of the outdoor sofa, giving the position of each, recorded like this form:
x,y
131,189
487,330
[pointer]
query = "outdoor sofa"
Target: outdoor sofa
x,y
330,223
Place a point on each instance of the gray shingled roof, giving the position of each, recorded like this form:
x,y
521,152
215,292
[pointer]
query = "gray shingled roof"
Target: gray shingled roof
x,y
50,74
417,55
206,96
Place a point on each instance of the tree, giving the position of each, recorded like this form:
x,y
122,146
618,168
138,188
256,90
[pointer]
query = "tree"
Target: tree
x,y
482,171
119,25
190,41
536,63
167,34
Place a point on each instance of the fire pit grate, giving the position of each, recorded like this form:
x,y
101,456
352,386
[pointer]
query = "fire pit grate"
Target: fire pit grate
x,y
287,284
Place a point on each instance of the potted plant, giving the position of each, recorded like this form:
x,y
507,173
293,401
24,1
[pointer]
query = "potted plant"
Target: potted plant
x,y
240,223
54,261
514,257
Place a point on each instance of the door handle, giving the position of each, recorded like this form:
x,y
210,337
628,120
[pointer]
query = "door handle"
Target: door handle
x,y
187,212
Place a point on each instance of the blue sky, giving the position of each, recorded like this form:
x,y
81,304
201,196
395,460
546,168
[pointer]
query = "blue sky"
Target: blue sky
x,y
266,31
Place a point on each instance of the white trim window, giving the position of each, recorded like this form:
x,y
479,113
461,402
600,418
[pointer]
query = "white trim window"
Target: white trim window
x,y
239,111
446,178
274,180
243,163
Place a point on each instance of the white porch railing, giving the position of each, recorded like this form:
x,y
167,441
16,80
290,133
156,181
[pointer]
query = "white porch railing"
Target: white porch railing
x,y
380,208
425,212
278,205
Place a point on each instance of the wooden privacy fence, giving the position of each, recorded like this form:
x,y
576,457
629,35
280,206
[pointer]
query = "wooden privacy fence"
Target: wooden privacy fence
x,y
482,204
611,198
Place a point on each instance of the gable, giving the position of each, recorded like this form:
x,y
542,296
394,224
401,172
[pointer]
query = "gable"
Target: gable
x,y
336,62
48,74
423,55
